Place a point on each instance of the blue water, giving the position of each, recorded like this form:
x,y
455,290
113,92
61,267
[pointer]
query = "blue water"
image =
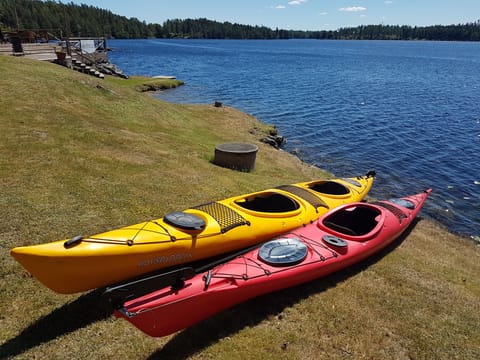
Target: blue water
x,y
409,110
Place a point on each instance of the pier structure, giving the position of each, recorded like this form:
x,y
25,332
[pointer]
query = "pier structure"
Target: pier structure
x,y
85,54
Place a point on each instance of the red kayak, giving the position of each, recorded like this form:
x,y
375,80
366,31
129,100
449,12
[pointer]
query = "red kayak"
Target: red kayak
x,y
340,238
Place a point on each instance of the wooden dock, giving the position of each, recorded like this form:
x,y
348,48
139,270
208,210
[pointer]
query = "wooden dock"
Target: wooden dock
x,y
44,52
68,53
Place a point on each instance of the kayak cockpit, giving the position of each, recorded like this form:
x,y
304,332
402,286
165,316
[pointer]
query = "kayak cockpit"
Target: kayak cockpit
x,y
268,202
329,187
356,222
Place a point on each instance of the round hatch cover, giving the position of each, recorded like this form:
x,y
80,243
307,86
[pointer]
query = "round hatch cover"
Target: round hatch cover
x,y
283,252
334,241
403,202
184,220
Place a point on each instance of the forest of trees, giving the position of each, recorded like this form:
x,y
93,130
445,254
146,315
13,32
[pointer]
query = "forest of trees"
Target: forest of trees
x,y
70,19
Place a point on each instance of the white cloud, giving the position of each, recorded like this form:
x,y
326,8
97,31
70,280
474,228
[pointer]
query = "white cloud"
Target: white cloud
x,y
323,13
296,2
292,3
353,8
388,2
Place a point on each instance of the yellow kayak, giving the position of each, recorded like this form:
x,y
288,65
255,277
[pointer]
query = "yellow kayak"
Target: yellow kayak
x,y
84,263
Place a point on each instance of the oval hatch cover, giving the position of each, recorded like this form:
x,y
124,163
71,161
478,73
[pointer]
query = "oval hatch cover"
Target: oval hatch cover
x,y
283,252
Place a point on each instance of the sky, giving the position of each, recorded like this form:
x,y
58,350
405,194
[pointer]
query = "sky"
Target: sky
x,y
299,14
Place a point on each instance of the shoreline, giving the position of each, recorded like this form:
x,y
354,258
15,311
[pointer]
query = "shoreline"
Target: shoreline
x,y
94,159
279,145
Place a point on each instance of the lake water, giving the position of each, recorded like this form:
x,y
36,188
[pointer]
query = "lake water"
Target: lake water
x,y
409,110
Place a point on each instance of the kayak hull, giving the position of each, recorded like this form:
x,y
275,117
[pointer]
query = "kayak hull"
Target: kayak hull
x,y
84,263
339,239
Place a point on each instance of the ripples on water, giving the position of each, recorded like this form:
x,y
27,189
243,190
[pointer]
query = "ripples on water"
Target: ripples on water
x,y
409,110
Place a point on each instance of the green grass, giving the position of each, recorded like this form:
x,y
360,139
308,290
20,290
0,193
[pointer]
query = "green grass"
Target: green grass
x,y
144,84
79,155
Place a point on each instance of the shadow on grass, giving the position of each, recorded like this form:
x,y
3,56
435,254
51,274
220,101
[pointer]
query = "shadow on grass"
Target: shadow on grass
x,y
196,338
83,311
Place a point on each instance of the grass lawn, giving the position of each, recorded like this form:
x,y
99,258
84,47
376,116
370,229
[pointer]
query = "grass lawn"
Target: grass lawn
x,y
80,155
